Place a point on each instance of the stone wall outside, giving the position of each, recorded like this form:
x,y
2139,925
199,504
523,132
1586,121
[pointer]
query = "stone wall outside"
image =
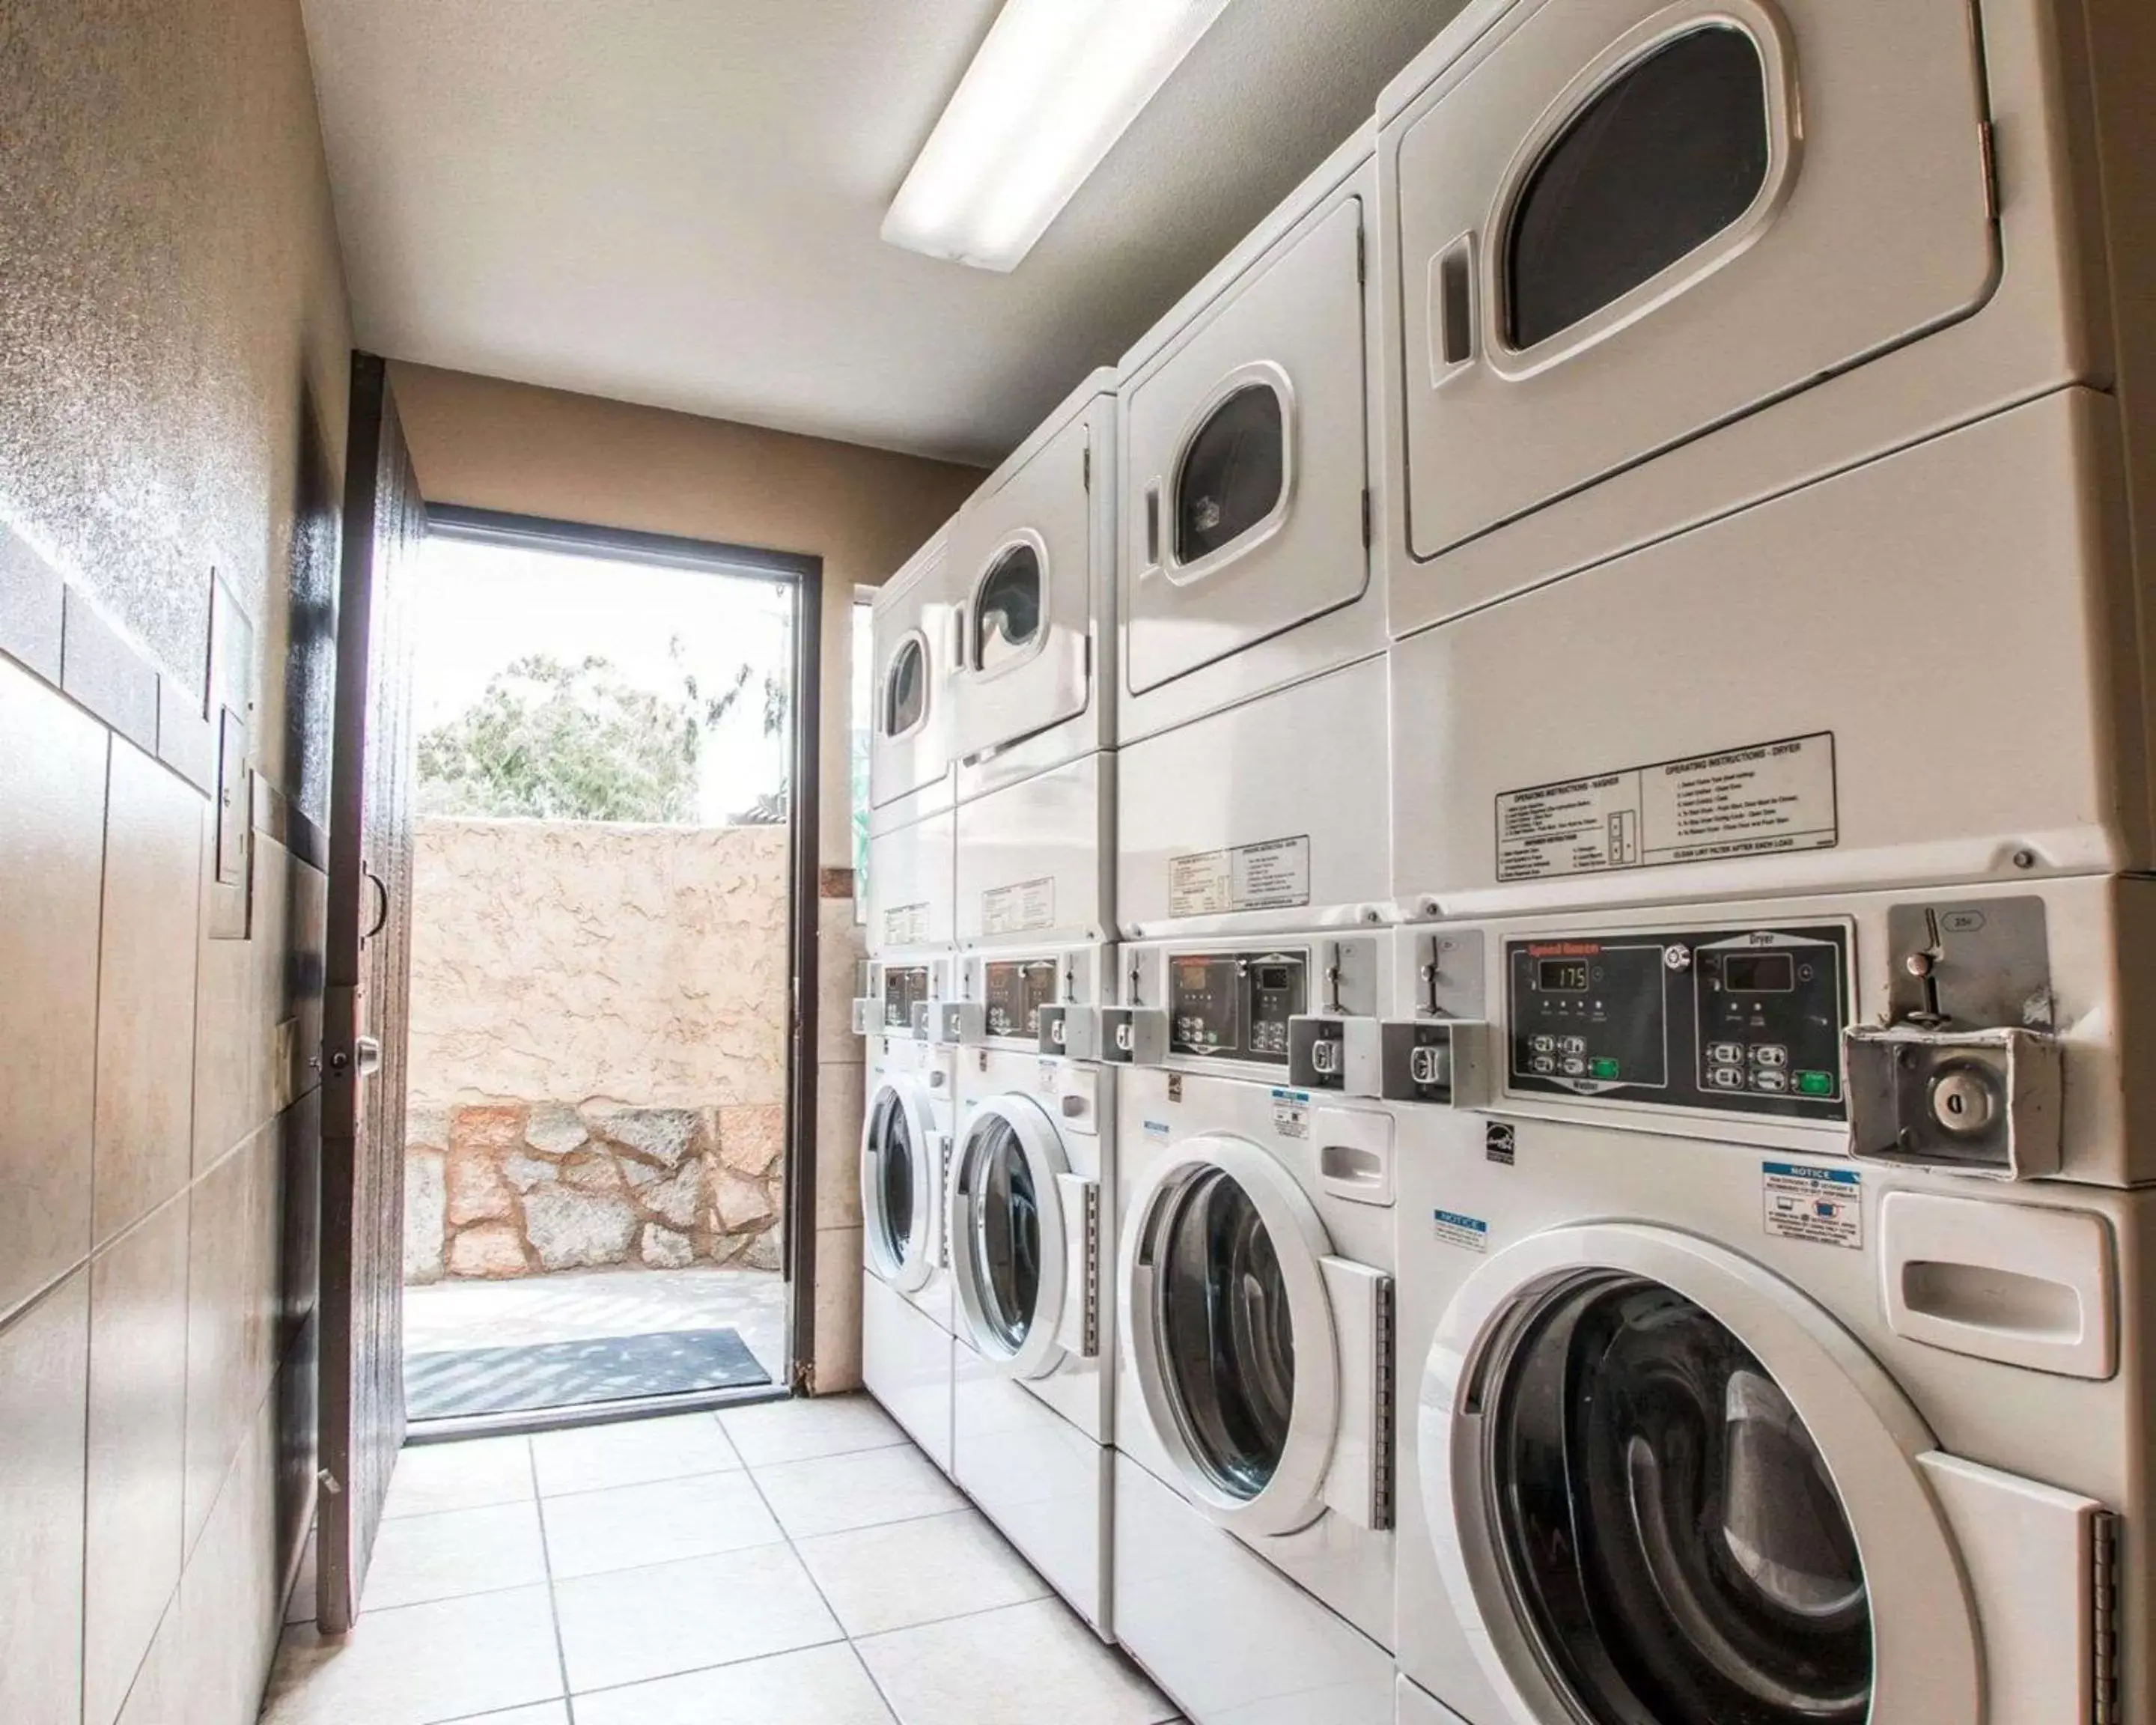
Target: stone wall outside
x,y
598,1047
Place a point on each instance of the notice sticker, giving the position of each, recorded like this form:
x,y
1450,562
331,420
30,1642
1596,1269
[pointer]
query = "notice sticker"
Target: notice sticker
x,y
1291,1113
1470,1233
905,925
1023,908
1822,1206
1754,801
1270,876
1157,1130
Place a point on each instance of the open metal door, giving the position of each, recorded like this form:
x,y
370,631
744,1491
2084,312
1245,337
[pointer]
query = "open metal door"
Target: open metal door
x,y
367,981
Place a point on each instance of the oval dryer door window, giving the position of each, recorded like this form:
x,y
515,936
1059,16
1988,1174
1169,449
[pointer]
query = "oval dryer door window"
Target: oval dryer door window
x,y
1007,615
1233,474
906,690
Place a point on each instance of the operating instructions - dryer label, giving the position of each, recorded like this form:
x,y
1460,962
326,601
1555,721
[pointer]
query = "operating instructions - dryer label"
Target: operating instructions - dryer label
x,y
1022,908
1752,801
1273,875
905,925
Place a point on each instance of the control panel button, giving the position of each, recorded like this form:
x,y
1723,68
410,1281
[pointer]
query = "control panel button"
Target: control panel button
x,y
1545,1064
1772,1054
1815,1084
1575,1068
1726,1054
1543,1045
1605,1069
1572,1045
1726,1078
1772,1083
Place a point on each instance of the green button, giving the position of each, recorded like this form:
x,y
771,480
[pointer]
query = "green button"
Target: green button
x,y
1815,1084
1603,1068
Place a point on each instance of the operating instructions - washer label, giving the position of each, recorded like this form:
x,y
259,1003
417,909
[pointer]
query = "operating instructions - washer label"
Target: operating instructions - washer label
x,y
1022,908
1272,875
1752,801
905,925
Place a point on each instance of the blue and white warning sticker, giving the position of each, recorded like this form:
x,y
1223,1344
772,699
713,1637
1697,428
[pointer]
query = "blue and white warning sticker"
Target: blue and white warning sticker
x,y
1453,1228
1819,1205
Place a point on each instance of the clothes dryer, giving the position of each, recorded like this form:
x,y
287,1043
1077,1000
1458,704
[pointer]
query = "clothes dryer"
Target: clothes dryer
x,y
907,1310
1031,1230
1253,1478
1251,716
1650,262
913,770
1668,1263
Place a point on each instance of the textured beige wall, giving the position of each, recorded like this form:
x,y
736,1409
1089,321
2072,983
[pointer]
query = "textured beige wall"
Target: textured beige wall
x,y
489,445
576,963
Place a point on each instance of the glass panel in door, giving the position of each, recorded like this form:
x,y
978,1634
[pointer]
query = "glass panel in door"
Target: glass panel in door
x,y
891,1142
1234,473
1006,1242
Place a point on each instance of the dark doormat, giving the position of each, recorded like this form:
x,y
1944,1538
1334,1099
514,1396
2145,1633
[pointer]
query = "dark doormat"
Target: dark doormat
x,y
459,1382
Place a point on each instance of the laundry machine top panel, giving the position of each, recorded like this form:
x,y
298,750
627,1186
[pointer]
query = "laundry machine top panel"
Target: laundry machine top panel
x,y
912,872
913,632
1032,556
1036,858
1244,440
1583,282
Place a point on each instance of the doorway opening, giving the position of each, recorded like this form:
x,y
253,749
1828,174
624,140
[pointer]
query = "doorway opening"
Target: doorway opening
x,y
614,797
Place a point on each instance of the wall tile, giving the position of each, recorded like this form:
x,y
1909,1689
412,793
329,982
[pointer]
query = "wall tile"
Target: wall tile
x,y
44,1381
30,606
233,1271
52,837
841,1098
158,1698
838,1310
229,1610
840,947
101,668
146,1010
138,1422
239,993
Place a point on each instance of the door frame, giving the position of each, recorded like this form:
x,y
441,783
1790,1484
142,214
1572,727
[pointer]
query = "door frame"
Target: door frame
x,y
803,574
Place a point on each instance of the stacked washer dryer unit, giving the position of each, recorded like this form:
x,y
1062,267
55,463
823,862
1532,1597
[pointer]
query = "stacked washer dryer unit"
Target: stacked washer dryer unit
x,y
1253,1480
907,1303
1772,778
1032,1169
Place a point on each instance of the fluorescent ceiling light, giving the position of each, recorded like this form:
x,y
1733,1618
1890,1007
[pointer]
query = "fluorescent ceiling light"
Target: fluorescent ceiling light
x,y
1056,83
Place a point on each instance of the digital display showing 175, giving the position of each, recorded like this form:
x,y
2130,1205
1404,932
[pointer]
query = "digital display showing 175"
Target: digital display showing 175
x,y
1561,976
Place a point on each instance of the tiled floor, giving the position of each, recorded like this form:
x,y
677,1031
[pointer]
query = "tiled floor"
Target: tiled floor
x,y
571,1305
795,1564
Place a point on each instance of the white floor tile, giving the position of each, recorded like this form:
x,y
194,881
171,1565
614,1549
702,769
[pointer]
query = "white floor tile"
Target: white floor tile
x,y
805,1428
904,1573
1015,1666
455,1553
433,1477
632,1527
552,1713
633,1453
639,1623
821,1686
420,1665
836,1493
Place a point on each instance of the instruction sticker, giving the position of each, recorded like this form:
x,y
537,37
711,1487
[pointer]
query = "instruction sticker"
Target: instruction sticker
x,y
1453,1228
905,925
1270,876
1291,1113
1765,797
1824,1206
1020,908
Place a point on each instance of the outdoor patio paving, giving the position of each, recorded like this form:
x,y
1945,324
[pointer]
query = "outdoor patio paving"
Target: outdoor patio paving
x,y
574,1305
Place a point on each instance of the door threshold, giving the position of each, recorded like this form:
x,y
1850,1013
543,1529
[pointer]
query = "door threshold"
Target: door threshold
x,y
524,1421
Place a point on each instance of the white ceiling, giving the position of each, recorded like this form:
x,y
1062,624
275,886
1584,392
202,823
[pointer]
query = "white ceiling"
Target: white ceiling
x,y
676,201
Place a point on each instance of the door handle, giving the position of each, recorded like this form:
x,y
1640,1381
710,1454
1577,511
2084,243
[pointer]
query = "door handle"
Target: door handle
x,y
367,1051
1153,526
381,905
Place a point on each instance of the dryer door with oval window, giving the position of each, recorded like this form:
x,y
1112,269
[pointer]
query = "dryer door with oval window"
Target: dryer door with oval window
x,y
901,1181
1624,223
1019,1251
1244,464
911,629
1022,563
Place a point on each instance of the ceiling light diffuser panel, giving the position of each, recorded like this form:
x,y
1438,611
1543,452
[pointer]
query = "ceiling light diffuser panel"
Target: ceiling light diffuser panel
x,y
1054,86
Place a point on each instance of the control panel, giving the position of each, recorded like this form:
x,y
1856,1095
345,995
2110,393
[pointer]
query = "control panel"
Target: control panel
x,y
904,988
1015,992
1734,1020
1235,1006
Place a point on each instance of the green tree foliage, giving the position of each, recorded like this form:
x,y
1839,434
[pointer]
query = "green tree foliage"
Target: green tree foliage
x,y
553,740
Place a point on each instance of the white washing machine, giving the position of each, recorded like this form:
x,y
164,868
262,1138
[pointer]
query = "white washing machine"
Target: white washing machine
x,y
1251,715
1704,1417
1872,224
1031,1230
908,1312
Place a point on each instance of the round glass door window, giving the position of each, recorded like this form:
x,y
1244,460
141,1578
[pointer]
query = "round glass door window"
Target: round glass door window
x,y
1672,1535
1227,1337
1006,616
893,1142
1006,1243
1233,473
905,691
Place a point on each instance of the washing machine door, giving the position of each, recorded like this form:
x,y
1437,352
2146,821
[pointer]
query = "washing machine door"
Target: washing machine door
x,y
1244,462
1017,1230
912,632
1627,222
1680,1493
1230,1332
1024,551
901,1178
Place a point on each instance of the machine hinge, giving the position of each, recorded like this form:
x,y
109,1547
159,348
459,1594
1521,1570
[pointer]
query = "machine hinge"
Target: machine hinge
x,y
1987,144
1362,256
1382,1440
1366,517
1092,1336
943,1234
2103,1619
